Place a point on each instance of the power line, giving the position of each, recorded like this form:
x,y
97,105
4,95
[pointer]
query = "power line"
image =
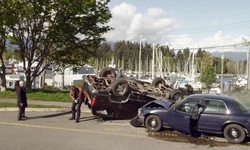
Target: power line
x,y
213,47
237,25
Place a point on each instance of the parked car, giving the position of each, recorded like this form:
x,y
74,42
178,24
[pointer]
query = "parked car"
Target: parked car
x,y
198,114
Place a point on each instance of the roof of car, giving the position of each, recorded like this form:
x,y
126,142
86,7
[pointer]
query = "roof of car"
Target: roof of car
x,y
212,96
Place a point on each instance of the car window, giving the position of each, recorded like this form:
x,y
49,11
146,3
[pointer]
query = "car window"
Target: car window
x,y
187,106
213,106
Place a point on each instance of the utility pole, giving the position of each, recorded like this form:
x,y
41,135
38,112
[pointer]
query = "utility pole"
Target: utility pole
x,y
222,69
248,70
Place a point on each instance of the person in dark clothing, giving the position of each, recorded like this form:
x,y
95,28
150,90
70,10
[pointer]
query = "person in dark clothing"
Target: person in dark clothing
x,y
194,120
21,101
77,99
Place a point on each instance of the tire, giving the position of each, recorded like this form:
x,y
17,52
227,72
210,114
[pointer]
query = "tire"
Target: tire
x,y
105,72
158,81
234,133
94,112
153,123
176,95
120,87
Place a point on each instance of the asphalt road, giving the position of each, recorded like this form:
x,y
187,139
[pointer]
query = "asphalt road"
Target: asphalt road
x,y
53,130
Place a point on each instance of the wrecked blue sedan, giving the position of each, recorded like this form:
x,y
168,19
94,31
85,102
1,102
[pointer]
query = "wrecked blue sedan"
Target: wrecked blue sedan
x,y
198,114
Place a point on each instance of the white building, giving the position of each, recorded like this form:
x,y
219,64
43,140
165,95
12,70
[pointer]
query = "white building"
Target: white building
x,y
71,76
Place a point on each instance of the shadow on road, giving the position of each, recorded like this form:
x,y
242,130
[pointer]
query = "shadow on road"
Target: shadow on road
x,y
89,118
51,115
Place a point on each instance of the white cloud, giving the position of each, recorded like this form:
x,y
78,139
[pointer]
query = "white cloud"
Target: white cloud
x,y
156,27
155,12
124,10
129,24
219,39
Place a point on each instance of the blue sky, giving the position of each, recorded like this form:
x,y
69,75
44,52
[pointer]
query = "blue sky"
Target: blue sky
x,y
181,23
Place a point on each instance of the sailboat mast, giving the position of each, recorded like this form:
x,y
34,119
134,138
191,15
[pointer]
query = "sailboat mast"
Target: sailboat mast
x,y
139,71
153,61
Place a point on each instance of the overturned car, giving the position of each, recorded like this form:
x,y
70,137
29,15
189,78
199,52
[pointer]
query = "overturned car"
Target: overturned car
x,y
112,95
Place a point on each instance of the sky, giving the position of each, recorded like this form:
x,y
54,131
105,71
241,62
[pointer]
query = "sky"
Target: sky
x,y
215,25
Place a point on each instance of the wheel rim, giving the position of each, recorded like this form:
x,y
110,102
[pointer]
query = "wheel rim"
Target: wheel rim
x,y
120,88
153,123
234,133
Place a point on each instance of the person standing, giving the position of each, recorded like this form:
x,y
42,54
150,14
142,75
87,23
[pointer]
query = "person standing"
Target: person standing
x,y
77,99
21,101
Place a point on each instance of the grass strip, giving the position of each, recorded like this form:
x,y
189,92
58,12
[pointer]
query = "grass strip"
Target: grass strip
x,y
44,95
11,105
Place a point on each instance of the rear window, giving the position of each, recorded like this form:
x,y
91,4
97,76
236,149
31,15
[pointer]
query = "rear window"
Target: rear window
x,y
214,106
243,108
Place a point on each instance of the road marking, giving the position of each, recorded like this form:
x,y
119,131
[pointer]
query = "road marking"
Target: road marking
x,y
70,129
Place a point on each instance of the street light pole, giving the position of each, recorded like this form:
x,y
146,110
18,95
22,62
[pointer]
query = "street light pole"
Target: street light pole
x,y
222,68
248,70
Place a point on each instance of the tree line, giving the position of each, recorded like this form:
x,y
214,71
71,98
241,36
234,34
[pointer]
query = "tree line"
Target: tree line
x,y
125,54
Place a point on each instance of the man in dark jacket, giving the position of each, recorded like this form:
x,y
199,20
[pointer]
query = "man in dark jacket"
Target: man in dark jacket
x,y
77,99
21,101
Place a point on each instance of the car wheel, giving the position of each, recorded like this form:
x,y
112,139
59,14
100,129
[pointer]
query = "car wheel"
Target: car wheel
x,y
158,81
153,123
105,72
234,133
176,95
94,112
120,87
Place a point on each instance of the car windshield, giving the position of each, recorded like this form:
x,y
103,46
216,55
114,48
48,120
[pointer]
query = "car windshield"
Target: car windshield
x,y
243,108
176,103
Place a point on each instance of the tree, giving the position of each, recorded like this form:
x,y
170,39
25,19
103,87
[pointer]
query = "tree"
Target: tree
x,y
103,54
54,27
206,60
179,61
3,32
208,76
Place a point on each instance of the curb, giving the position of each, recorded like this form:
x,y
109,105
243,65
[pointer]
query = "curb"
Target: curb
x,y
43,110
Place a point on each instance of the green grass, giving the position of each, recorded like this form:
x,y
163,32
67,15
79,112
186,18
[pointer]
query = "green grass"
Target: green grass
x,y
10,105
44,95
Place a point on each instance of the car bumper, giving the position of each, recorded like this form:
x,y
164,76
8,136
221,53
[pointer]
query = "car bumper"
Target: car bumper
x,y
138,120
135,122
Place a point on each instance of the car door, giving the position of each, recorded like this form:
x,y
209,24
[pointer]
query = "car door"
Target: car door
x,y
179,116
213,117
